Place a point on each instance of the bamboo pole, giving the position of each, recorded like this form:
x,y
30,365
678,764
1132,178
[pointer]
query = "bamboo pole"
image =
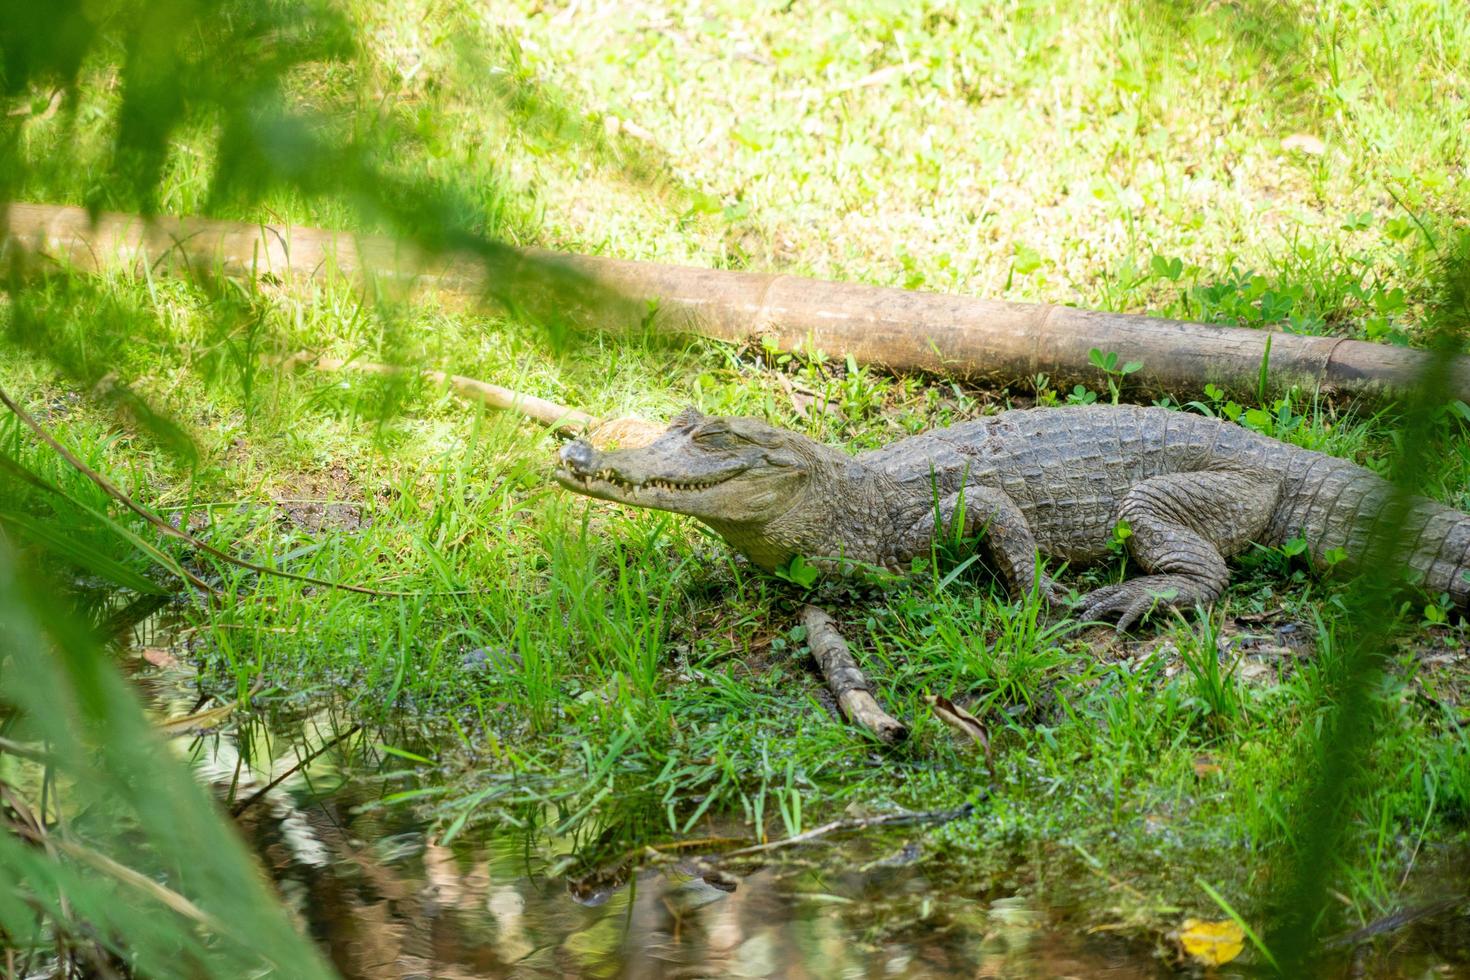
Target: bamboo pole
x,y
960,336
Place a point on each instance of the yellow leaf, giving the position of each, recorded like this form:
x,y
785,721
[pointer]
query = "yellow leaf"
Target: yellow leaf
x,y
1211,943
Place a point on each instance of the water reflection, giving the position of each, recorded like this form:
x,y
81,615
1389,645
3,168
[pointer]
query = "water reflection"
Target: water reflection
x,y
386,899
393,903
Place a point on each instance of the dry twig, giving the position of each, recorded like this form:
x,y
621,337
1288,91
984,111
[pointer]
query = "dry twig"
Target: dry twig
x,y
245,804
549,414
846,680
562,420
1394,922
855,823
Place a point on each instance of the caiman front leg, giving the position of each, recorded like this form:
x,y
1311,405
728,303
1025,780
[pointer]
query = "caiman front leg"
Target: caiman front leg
x,y
1184,527
1007,538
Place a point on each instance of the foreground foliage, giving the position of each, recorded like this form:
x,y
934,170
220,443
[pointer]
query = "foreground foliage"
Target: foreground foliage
x,y
611,676
98,812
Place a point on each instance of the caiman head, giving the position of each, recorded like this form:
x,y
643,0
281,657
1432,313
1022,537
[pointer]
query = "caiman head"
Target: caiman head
x,y
740,476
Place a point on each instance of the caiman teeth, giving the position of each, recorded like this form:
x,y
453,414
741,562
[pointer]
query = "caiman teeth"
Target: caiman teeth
x,y
609,476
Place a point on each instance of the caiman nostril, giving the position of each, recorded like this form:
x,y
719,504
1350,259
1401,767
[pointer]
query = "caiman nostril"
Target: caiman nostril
x,y
577,455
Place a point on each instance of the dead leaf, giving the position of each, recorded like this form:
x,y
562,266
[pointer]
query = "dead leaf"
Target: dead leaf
x,y
1257,673
200,721
614,125
1211,943
625,433
1256,619
159,657
960,720
1270,650
880,77
1306,143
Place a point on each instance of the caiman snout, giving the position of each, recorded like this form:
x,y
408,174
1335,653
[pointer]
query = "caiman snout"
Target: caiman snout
x,y
577,456
728,472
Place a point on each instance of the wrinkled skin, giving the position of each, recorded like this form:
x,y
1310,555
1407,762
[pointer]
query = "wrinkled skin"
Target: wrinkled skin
x,y
1043,482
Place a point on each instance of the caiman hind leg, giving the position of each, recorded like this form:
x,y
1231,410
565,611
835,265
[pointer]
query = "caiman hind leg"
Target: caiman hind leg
x,y
1184,527
1007,538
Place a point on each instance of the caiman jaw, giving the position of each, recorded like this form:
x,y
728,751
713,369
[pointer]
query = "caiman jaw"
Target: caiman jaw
x,y
736,475
590,481
584,470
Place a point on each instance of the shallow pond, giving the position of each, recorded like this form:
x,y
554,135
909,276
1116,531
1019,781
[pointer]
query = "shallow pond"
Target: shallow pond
x,y
388,902
374,886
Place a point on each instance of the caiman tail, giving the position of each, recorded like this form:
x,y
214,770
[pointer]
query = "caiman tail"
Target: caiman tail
x,y
1342,504
1440,553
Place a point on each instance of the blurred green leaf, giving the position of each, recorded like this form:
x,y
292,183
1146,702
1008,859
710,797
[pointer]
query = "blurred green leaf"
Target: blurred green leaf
x,y
79,553
149,824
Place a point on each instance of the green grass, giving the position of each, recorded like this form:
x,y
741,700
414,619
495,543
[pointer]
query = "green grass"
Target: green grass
x,y
639,681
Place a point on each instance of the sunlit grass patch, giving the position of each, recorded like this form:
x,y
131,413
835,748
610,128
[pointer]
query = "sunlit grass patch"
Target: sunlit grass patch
x,y
615,676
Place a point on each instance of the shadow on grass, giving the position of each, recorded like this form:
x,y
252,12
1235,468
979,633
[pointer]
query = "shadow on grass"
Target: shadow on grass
x,y
221,81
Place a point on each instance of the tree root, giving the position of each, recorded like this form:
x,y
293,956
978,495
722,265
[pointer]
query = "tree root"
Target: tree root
x,y
848,685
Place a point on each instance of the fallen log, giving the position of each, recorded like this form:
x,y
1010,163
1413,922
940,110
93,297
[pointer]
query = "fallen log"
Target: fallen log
x,y
959,336
846,681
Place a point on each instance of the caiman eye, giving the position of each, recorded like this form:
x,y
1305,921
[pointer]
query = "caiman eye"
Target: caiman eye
x,y
716,436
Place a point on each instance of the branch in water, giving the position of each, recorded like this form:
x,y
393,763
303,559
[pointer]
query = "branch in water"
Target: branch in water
x,y
856,823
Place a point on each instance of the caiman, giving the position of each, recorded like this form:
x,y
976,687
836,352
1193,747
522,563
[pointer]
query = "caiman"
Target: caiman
x,y
1050,482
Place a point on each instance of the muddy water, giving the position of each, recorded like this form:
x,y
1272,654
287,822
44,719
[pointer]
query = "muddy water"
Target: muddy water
x,y
387,901
375,887
372,884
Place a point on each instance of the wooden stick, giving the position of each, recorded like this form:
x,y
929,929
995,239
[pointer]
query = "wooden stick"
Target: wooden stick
x,y
549,414
854,823
905,330
849,686
1394,922
624,432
